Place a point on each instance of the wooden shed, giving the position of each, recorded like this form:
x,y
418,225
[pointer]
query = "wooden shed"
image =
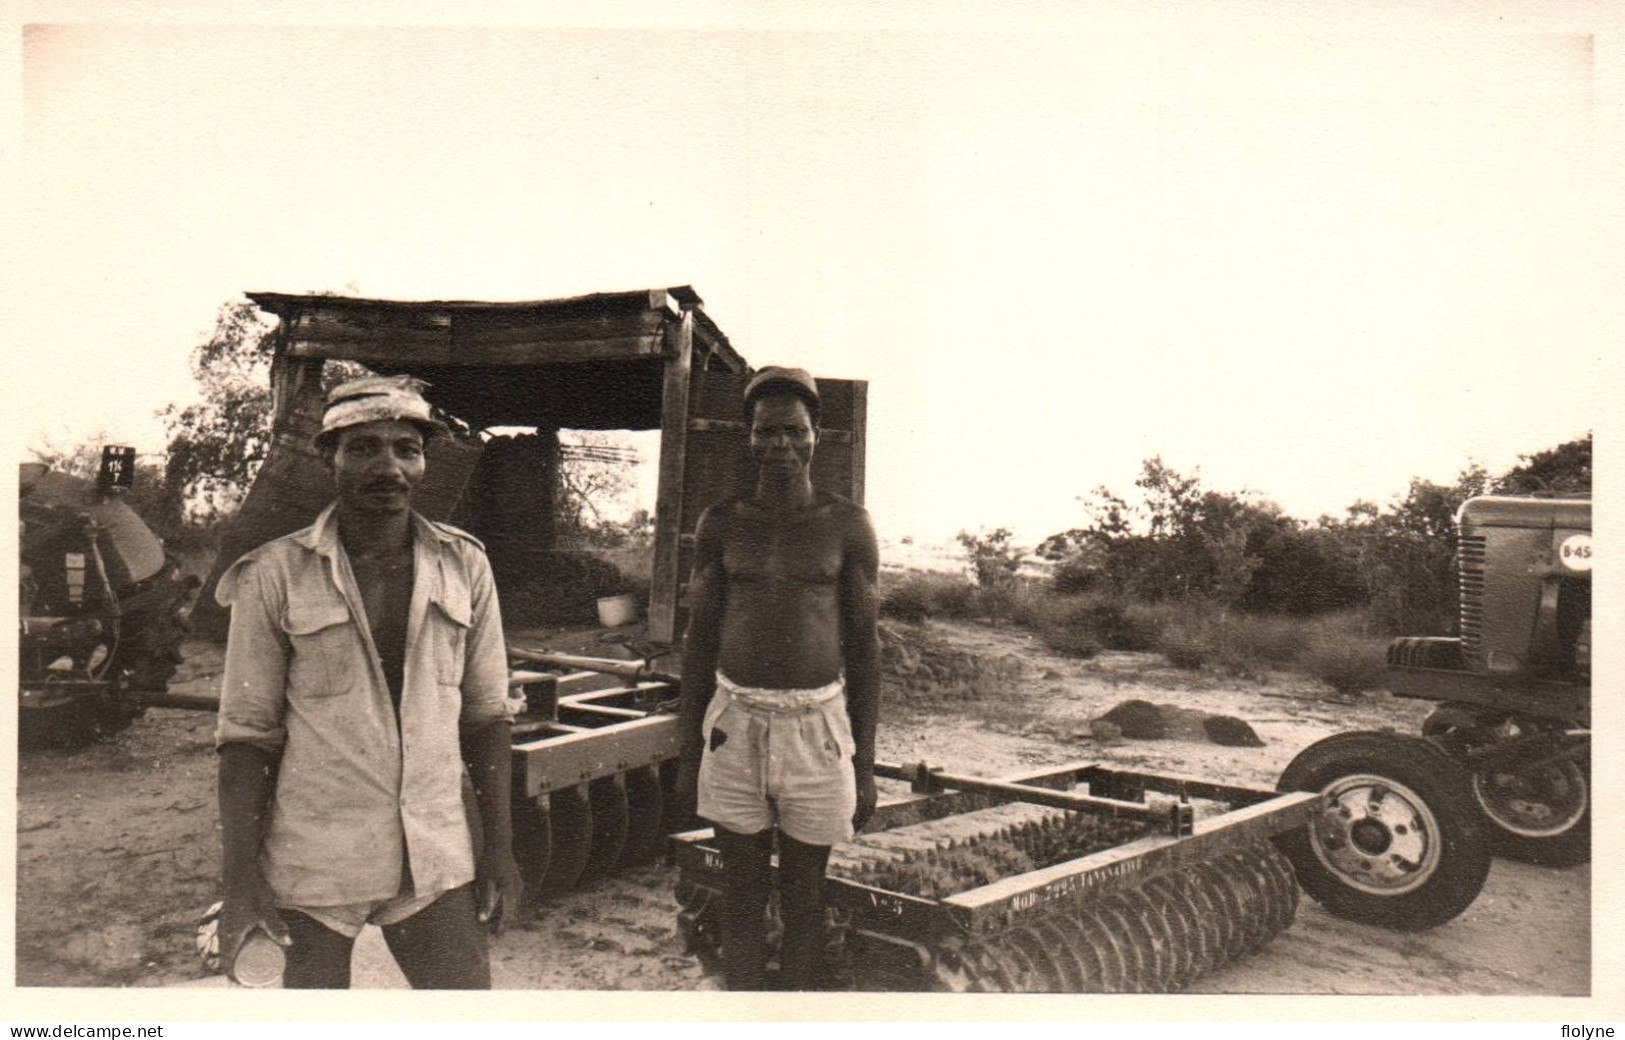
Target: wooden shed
x,y
640,360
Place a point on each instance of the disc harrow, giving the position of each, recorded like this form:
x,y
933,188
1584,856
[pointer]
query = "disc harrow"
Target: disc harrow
x,y
1068,880
594,758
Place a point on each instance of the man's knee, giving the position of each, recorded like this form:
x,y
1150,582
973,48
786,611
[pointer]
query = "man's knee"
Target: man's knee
x,y
443,946
319,957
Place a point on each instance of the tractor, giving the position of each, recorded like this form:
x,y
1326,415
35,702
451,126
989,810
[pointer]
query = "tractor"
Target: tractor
x,y
103,607
1408,825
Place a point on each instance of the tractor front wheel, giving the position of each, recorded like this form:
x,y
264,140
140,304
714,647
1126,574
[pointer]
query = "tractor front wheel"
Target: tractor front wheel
x,y
1541,813
1398,841
1538,810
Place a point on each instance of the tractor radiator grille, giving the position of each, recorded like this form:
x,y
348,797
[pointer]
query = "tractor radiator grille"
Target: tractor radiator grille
x,y
1470,568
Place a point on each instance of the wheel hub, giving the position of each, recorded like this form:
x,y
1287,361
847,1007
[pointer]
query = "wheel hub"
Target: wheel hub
x,y
1380,836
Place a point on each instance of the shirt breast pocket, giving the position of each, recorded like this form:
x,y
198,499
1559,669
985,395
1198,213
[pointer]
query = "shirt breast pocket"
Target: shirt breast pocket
x,y
324,655
451,616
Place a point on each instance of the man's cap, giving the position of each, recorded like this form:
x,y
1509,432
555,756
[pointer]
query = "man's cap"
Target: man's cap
x,y
776,378
375,399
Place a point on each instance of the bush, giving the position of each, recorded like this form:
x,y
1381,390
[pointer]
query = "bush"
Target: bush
x,y
1079,572
908,601
1193,635
1185,642
1073,641
1341,651
919,595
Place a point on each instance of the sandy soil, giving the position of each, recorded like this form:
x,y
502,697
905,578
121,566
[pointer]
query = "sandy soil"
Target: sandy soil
x,y
118,848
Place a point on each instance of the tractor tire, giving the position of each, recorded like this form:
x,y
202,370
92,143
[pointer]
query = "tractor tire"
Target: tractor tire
x,y
1540,815
1399,841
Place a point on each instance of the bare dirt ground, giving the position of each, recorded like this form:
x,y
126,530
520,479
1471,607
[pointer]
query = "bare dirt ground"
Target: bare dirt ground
x,y
118,848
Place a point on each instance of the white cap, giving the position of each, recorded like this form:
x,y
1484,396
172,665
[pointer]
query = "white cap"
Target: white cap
x,y
375,399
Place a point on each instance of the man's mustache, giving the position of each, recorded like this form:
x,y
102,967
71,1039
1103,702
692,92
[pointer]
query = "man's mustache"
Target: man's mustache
x,y
385,485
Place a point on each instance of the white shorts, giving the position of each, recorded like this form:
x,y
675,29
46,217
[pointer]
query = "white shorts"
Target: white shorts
x,y
779,756
349,918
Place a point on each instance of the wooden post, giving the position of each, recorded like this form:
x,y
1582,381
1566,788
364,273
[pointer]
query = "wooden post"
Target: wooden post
x,y
665,580
860,437
296,382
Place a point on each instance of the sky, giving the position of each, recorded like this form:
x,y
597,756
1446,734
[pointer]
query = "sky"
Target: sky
x,y
1312,258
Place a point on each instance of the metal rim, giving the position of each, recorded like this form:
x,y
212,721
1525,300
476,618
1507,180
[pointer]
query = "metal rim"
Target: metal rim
x,y
1507,799
1378,835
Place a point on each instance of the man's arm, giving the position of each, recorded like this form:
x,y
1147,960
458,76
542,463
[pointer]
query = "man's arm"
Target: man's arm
x,y
486,737
249,735
860,646
707,595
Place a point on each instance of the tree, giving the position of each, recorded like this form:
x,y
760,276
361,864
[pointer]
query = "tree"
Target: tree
x,y
217,445
594,470
1565,468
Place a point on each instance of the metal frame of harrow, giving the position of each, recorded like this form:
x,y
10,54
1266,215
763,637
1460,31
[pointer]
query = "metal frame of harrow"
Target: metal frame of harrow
x,y
915,927
590,793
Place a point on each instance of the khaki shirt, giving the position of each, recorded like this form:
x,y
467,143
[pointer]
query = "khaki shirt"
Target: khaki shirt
x,y
358,794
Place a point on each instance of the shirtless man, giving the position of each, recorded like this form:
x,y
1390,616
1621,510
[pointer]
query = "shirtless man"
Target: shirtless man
x,y
365,670
780,682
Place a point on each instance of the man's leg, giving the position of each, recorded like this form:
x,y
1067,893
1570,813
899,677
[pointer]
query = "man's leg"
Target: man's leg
x,y
745,870
319,957
443,946
801,906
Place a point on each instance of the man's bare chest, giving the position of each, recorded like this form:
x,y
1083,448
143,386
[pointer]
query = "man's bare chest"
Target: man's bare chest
x,y
761,551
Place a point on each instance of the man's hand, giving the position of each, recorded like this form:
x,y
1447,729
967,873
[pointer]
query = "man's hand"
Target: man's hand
x,y
497,890
240,915
866,795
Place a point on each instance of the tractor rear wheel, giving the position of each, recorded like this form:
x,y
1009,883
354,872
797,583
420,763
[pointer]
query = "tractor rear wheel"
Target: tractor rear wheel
x,y
1399,841
154,621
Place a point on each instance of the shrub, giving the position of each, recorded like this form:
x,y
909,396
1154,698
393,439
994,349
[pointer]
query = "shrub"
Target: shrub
x,y
919,595
1082,626
1341,652
906,601
1199,633
1073,641
1082,570
1185,643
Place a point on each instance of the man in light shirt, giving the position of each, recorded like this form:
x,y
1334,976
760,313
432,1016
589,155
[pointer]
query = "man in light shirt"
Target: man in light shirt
x,y
365,671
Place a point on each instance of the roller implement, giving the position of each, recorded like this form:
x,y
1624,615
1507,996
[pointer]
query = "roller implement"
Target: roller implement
x,y
1077,879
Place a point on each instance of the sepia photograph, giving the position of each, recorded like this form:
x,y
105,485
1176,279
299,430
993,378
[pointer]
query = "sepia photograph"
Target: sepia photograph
x,y
835,503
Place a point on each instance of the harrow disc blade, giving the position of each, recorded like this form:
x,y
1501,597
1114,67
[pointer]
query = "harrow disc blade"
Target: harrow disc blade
x,y
1071,961
1156,938
1285,899
1229,906
1077,935
571,819
645,807
1046,973
609,817
532,841
1169,898
1139,960
1247,868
